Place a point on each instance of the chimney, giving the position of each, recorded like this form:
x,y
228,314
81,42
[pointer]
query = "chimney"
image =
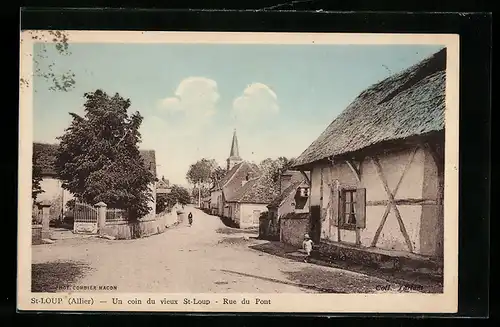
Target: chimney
x,y
285,180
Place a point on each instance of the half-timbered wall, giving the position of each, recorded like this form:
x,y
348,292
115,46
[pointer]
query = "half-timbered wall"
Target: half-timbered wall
x,y
403,209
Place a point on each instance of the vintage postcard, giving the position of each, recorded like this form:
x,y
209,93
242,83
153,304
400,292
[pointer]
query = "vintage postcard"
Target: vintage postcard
x,y
238,172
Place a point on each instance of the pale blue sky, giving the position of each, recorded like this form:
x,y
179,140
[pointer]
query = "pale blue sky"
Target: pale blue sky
x,y
298,90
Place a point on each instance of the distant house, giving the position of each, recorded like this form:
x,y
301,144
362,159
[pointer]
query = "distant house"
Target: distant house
x,y
52,186
163,186
294,196
238,173
205,204
248,202
377,171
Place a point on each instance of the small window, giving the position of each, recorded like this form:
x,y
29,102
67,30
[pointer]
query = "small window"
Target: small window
x,y
301,196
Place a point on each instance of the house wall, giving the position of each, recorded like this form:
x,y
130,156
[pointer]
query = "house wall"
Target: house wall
x,y
245,217
54,193
287,207
216,202
152,203
423,223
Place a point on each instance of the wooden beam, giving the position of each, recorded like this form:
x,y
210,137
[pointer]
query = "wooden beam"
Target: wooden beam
x,y
354,170
409,201
381,225
392,203
308,181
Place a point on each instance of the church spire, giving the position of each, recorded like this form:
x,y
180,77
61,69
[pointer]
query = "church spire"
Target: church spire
x,y
234,155
235,151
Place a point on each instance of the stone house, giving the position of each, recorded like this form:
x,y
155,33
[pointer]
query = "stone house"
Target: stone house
x,y
377,171
245,206
52,186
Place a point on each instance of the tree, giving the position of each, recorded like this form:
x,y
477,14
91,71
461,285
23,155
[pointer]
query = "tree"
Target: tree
x,y
99,159
203,190
45,67
165,202
200,173
272,170
217,175
36,178
180,194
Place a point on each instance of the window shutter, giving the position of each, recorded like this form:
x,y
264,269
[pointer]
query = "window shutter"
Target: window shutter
x,y
361,207
335,201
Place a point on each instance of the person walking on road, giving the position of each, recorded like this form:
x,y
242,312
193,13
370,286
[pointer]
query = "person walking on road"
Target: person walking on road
x,y
190,219
307,245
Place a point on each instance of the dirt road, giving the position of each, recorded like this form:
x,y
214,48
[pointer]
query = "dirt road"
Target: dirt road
x,y
207,257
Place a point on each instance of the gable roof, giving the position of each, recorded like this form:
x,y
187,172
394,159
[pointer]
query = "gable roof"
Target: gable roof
x,y
232,171
254,191
277,201
406,104
46,155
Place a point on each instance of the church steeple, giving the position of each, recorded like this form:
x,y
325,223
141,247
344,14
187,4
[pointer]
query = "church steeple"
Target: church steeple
x,y
234,155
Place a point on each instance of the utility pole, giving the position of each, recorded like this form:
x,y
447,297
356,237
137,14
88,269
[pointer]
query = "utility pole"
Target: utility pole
x,y
199,195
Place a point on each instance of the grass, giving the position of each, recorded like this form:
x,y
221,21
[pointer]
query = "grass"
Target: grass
x,y
52,276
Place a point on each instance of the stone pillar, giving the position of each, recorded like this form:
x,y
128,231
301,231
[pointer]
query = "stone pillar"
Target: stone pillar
x,y
45,206
101,217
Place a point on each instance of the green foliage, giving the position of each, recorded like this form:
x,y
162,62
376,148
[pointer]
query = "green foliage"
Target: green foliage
x,y
180,194
201,171
44,67
271,171
70,205
36,178
99,158
162,203
217,175
165,202
204,191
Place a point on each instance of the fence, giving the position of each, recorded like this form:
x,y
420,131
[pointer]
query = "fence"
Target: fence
x,y
85,218
116,215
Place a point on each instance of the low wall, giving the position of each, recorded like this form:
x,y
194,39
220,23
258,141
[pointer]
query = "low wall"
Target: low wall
x,y
269,229
380,259
36,234
293,226
124,230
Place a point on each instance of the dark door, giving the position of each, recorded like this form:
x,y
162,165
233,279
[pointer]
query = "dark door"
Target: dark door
x,y
315,224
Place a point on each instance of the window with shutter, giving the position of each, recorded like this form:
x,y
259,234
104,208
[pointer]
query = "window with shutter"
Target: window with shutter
x,y
352,208
361,208
334,204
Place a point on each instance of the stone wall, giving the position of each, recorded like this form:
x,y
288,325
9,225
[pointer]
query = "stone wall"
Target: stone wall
x,y
125,230
293,226
36,234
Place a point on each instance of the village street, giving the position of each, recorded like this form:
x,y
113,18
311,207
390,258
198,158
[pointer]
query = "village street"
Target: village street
x,y
207,257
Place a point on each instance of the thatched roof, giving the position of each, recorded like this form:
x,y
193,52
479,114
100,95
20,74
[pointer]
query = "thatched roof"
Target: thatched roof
x,y
410,103
45,155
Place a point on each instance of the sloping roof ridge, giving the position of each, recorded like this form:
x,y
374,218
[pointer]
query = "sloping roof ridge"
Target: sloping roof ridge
x,y
278,200
413,98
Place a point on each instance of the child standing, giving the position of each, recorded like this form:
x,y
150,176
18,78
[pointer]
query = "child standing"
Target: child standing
x,y
307,245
